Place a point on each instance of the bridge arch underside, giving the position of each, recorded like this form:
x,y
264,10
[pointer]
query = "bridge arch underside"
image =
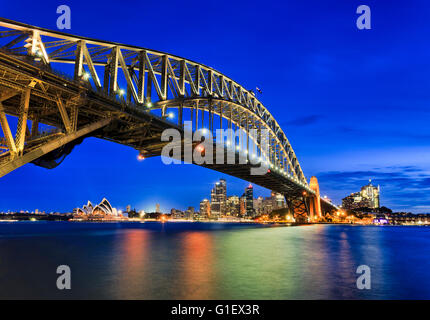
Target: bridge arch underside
x,y
92,103
242,129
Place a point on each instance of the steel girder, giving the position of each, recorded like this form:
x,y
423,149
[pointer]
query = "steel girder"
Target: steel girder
x,y
119,88
148,77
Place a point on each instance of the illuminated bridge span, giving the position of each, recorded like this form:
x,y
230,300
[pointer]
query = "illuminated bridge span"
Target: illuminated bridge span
x,y
126,94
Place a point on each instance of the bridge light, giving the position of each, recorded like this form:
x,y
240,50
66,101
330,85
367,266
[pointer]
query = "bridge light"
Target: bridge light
x,y
140,157
149,104
170,115
86,76
228,143
121,92
237,148
204,130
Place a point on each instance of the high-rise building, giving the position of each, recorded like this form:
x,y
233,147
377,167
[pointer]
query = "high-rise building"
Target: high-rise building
x,y
176,214
259,205
233,206
275,201
205,208
157,208
242,206
219,199
368,197
189,213
128,208
249,200
279,200
371,193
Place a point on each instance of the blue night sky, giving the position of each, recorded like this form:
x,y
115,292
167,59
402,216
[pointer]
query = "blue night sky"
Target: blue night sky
x,y
353,103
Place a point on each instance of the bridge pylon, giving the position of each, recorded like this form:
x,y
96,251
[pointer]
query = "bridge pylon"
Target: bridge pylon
x,y
298,207
306,207
315,200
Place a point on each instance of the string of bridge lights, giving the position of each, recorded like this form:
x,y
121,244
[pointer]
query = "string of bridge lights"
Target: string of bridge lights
x,y
86,76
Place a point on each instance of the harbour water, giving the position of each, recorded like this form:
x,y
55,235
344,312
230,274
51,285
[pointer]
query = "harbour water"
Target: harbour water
x,y
178,260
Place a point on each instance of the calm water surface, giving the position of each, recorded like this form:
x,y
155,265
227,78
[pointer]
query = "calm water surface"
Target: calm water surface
x,y
212,261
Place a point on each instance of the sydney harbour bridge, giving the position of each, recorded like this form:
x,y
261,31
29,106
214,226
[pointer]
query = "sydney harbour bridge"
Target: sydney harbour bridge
x,y
126,94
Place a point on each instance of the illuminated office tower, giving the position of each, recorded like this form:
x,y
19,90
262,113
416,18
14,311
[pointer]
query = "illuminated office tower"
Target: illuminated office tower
x,y
368,197
249,200
219,199
205,208
233,206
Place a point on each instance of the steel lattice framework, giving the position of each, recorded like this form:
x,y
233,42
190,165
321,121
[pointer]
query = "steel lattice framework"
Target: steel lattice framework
x,y
115,94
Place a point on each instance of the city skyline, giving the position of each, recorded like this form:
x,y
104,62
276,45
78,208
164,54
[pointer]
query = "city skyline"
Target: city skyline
x,y
343,136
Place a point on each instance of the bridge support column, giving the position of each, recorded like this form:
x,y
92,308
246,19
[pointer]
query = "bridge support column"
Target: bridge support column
x,y
299,208
315,201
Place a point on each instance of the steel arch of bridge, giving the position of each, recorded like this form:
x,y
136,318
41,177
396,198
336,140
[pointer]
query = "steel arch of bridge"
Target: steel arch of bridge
x,y
153,80
91,103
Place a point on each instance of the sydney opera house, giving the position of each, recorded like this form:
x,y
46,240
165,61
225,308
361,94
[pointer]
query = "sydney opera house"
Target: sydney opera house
x,y
102,211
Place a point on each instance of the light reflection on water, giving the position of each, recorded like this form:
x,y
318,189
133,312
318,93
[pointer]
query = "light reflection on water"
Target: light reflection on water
x,y
212,261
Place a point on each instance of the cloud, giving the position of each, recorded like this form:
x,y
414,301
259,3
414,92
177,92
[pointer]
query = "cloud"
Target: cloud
x,y
402,187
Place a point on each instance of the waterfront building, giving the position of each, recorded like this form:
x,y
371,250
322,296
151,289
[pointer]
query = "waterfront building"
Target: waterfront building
x,y
279,200
189,213
259,205
249,200
242,210
219,199
102,211
205,208
176,214
275,201
367,197
233,206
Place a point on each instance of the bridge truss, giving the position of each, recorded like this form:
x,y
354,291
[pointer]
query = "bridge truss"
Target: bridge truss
x,y
125,94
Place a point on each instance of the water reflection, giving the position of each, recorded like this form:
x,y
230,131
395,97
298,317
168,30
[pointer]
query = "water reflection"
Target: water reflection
x,y
213,261
197,271
132,263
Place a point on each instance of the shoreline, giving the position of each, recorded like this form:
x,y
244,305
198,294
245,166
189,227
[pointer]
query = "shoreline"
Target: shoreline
x,y
280,224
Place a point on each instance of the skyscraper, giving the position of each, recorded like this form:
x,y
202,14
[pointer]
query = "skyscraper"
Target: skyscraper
x,y
205,208
371,193
233,206
219,199
242,206
367,197
259,205
249,200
